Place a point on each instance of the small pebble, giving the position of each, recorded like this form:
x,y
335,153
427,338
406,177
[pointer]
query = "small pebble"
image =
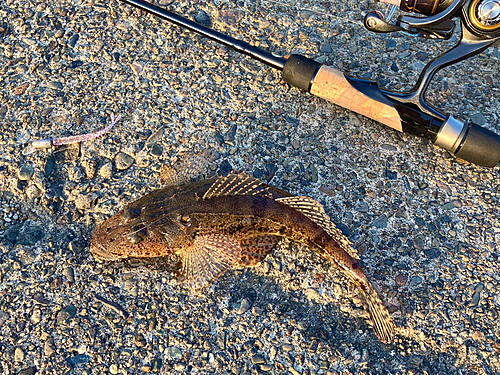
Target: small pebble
x,y
325,48
156,365
478,119
65,314
453,204
422,56
36,316
444,187
86,201
4,316
139,340
33,192
388,147
26,172
18,355
29,371
244,306
75,247
337,290
49,165
155,137
106,171
56,85
257,359
416,280
380,222
123,161
69,274
113,369
73,40
328,191
49,348
401,279
173,353
20,90
130,286
476,298
203,18
232,16
432,253
419,243
390,43
136,68
362,207
156,150
257,311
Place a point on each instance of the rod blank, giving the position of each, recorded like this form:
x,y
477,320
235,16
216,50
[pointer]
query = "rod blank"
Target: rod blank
x,y
240,46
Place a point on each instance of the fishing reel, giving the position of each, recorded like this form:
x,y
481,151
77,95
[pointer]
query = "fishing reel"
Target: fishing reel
x,y
480,29
480,17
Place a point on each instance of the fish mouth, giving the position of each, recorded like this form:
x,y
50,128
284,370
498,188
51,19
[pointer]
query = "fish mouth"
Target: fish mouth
x,y
100,253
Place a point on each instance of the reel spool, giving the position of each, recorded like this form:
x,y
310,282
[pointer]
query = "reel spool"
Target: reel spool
x,y
483,17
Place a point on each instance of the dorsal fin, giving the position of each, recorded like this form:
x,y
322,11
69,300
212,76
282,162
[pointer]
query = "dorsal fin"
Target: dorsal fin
x,y
316,212
237,184
190,166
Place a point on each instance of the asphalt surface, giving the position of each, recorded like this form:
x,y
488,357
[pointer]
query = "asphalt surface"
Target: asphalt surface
x,y
425,224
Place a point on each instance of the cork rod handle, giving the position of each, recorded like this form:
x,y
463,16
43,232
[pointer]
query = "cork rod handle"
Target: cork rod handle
x,y
333,86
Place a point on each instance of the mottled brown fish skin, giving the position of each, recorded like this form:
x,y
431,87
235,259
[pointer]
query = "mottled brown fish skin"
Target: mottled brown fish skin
x,y
169,220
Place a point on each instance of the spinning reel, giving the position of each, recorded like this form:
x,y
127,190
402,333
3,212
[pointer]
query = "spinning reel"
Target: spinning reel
x,y
480,29
480,18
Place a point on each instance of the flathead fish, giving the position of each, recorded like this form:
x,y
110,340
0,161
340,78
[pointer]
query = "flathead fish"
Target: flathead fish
x,y
225,222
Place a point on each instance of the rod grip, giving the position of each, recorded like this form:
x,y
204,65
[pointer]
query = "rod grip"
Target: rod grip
x,y
333,86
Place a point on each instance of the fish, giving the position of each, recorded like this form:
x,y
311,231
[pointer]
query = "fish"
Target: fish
x,y
226,222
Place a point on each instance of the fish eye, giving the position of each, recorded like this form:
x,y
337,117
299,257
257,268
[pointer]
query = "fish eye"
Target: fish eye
x,y
134,238
184,220
131,213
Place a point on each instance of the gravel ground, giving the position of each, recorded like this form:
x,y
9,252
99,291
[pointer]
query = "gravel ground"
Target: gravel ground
x,y
425,225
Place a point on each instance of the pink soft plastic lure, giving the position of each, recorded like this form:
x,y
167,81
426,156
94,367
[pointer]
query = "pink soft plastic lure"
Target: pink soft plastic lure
x,y
54,142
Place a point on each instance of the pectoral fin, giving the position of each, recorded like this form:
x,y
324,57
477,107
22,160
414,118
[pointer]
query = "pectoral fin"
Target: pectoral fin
x,y
191,166
208,258
255,249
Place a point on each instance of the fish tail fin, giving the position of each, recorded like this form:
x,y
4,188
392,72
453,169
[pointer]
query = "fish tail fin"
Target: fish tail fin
x,y
383,325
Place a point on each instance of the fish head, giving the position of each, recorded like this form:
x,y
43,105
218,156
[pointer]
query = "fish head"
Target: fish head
x,y
130,234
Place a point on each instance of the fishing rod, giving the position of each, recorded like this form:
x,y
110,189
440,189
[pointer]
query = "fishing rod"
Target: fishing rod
x,y
408,111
